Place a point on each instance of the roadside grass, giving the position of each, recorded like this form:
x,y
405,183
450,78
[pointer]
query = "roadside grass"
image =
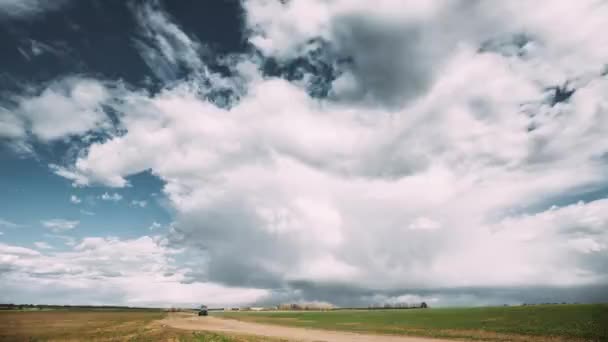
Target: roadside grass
x,y
522,323
79,325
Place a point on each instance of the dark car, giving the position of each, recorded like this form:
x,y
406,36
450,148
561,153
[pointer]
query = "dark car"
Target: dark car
x,y
203,311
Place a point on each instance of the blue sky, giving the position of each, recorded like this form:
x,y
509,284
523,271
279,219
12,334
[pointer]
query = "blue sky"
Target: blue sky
x,y
29,183
259,151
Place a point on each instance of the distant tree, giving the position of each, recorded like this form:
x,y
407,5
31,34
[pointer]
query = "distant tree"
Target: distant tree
x,y
423,305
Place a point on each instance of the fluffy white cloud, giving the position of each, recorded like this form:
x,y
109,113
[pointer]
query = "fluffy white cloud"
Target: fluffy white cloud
x,y
60,225
11,126
563,246
108,271
415,170
398,48
71,106
75,199
141,204
115,197
155,225
17,251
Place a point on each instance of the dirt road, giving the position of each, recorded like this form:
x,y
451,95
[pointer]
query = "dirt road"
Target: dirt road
x,y
210,323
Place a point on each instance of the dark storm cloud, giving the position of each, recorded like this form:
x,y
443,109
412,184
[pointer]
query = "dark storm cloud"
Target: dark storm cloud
x,y
348,295
378,51
236,250
395,60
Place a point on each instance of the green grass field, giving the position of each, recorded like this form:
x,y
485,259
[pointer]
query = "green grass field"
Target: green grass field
x,y
525,323
99,325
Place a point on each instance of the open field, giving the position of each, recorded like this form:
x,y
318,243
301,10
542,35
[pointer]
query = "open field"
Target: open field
x,y
100,326
272,331
523,323
527,323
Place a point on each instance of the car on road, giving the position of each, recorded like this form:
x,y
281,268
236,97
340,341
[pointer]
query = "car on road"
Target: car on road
x,y
203,311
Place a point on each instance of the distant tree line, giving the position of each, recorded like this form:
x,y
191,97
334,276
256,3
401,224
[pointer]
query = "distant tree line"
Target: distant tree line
x,y
71,307
327,306
422,305
306,306
531,304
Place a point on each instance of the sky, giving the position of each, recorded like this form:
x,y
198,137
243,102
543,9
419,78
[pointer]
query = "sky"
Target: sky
x,y
257,152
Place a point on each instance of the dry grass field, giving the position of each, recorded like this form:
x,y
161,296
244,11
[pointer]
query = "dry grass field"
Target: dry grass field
x,y
99,326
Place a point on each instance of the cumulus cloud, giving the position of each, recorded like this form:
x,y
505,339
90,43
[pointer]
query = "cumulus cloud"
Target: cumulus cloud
x,y
67,107
398,49
60,225
75,199
431,163
395,50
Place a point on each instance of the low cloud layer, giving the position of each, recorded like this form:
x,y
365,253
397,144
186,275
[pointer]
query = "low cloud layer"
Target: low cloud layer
x,y
133,272
446,162
59,225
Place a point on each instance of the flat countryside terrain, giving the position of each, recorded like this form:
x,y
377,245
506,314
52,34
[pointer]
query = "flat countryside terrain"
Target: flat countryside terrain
x,y
106,325
521,323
